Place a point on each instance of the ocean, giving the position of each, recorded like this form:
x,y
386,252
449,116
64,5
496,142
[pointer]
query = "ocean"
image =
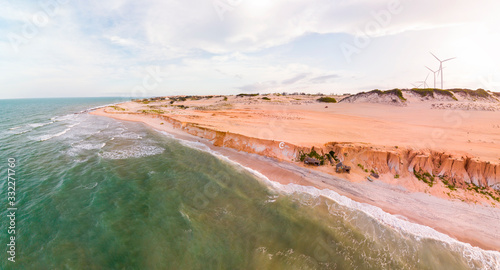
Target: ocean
x,y
97,193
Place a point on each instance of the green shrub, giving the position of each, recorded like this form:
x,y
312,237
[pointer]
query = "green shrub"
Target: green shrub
x,y
425,177
266,98
117,108
247,95
313,154
396,176
327,99
156,111
447,184
482,190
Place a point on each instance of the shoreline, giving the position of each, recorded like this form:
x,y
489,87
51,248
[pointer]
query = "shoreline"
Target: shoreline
x,y
473,224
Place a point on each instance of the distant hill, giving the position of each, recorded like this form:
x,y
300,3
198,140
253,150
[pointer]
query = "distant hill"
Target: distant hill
x,y
394,97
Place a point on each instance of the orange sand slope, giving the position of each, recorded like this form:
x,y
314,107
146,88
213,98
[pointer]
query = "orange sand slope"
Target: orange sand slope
x,y
306,122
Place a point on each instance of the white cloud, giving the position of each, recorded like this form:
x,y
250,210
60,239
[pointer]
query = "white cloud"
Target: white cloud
x,y
108,45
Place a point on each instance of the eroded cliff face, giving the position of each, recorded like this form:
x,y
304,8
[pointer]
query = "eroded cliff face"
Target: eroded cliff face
x,y
460,171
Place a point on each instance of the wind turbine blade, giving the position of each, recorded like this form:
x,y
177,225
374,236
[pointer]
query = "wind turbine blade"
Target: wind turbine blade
x,y
435,57
430,69
449,59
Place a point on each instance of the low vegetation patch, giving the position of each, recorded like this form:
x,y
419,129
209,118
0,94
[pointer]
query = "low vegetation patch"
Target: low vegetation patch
x,y
313,154
479,93
397,92
327,99
363,168
116,108
482,190
247,95
447,183
431,91
425,177
396,176
266,98
148,100
155,111
214,107
179,98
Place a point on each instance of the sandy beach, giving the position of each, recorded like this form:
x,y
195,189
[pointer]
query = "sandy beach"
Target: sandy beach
x,y
463,215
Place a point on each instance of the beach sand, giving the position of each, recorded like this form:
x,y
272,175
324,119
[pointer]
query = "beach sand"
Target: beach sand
x,y
308,123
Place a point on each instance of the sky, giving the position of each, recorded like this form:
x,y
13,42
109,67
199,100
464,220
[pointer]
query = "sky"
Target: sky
x,y
70,48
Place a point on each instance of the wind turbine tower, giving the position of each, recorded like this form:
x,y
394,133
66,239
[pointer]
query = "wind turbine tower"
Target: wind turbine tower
x,y
441,67
424,82
434,72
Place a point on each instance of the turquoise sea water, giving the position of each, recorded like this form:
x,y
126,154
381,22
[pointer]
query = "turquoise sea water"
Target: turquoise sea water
x,y
96,193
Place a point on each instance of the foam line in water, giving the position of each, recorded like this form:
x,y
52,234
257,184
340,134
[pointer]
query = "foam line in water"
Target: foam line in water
x,y
99,107
35,125
490,259
48,137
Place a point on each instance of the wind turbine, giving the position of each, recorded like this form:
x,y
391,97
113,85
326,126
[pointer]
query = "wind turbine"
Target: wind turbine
x,y
424,82
434,75
441,67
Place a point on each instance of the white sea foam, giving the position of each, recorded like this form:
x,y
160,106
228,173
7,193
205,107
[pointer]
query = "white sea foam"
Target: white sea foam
x,y
77,148
27,128
63,117
98,107
489,259
129,135
35,125
22,132
133,152
91,186
50,136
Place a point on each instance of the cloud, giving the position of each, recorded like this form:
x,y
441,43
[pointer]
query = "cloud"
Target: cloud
x,y
260,86
253,46
295,79
324,78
